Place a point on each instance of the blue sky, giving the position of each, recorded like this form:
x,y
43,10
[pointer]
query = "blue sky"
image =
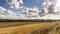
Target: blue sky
x,y
12,8
26,3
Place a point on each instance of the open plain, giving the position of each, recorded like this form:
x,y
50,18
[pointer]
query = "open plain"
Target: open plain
x,y
30,27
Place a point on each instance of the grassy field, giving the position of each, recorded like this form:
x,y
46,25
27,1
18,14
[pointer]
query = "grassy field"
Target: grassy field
x,y
30,27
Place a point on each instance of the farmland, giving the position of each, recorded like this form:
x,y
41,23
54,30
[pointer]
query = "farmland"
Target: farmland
x,y
30,27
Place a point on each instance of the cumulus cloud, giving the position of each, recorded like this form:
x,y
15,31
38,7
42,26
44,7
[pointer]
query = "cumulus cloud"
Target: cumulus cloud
x,y
57,6
31,12
52,17
46,5
6,14
3,11
51,7
15,3
47,12
50,11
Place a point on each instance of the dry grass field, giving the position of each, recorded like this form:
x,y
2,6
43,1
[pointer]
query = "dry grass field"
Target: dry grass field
x,y
30,27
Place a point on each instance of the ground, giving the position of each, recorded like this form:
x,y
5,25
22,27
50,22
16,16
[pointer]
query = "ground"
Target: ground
x,y
30,27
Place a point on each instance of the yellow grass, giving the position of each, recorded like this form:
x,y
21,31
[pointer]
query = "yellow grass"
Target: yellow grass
x,y
31,28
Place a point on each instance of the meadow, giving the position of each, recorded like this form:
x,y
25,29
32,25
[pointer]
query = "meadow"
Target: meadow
x,y
30,27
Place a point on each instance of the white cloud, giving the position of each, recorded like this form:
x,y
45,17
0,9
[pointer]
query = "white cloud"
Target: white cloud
x,y
51,16
3,11
35,13
57,6
46,5
31,12
51,7
7,14
15,3
47,12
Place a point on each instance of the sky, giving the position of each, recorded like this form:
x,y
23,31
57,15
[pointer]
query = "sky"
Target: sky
x,y
26,3
29,9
